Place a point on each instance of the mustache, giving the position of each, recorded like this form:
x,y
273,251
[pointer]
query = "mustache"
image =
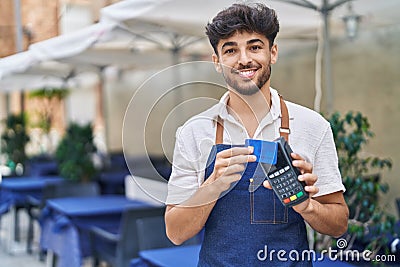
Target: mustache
x,y
243,67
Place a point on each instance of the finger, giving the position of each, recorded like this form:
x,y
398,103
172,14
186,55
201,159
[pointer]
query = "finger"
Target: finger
x,y
232,169
304,166
301,163
308,178
235,151
267,185
296,156
311,190
241,159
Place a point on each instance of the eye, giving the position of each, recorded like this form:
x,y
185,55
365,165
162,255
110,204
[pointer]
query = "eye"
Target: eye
x,y
255,47
229,51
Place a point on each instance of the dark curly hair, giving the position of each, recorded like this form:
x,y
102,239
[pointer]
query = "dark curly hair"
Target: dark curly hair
x,y
241,17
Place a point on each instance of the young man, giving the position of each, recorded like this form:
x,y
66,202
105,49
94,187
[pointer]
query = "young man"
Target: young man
x,y
241,226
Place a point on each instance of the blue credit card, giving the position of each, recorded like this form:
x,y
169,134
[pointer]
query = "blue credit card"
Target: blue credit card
x,y
265,151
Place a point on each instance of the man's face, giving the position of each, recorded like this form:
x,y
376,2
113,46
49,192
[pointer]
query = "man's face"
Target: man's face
x,y
245,61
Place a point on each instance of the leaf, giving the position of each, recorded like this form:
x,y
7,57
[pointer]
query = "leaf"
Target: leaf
x,y
362,179
74,153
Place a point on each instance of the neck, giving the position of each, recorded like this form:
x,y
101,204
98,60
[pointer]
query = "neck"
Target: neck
x,y
256,105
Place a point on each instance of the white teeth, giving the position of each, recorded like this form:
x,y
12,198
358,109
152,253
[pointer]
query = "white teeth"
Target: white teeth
x,y
246,73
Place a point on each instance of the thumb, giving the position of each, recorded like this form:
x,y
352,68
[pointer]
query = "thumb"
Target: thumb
x,y
266,184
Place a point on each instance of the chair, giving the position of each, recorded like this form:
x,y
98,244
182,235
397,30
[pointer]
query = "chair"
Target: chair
x,y
73,189
61,190
112,182
140,229
151,166
41,165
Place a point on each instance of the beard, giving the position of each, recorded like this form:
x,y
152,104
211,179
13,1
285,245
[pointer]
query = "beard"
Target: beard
x,y
246,86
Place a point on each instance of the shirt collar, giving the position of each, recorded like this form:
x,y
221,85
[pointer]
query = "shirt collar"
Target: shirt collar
x,y
276,104
275,108
222,106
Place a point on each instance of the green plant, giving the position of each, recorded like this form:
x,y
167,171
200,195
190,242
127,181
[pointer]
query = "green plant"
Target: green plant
x,y
14,139
361,177
50,100
74,153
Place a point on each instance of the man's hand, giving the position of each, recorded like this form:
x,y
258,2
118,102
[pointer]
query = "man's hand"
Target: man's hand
x,y
307,176
185,220
229,167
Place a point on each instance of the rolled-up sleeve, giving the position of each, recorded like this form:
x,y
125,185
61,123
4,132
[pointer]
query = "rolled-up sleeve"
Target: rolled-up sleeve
x,y
326,166
183,181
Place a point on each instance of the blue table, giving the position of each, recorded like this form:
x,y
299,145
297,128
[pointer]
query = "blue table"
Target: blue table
x,y
188,256
15,192
66,223
185,256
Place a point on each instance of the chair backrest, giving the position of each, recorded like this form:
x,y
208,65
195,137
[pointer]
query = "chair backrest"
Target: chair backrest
x,y
43,168
132,230
151,233
70,189
47,193
142,230
73,189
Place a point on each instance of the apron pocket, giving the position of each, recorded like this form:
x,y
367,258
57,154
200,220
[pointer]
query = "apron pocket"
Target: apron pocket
x,y
265,208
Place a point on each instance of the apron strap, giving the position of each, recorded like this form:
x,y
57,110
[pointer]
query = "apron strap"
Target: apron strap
x,y
219,137
284,130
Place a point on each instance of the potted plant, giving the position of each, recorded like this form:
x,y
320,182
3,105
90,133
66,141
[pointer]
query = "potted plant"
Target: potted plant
x,y
74,153
369,224
14,140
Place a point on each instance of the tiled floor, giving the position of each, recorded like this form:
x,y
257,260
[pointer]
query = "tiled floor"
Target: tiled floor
x,y
18,257
19,260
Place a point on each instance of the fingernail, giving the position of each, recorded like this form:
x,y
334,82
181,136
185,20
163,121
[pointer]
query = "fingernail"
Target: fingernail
x,y
301,178
252,157
251,149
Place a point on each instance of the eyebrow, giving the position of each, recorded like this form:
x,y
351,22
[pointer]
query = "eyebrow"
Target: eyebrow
x,y
252,41
229,44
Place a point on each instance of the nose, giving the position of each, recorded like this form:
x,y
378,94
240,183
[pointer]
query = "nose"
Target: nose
x,y
244,58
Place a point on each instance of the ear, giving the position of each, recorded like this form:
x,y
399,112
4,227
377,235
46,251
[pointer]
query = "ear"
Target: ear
x,y
216,62
274,54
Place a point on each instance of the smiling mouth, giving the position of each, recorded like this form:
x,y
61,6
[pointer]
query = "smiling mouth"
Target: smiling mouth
x,y
246,73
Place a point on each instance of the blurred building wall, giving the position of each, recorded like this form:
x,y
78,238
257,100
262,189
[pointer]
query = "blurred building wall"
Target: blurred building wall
x,y
7,43
365,78
39,17
39,20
